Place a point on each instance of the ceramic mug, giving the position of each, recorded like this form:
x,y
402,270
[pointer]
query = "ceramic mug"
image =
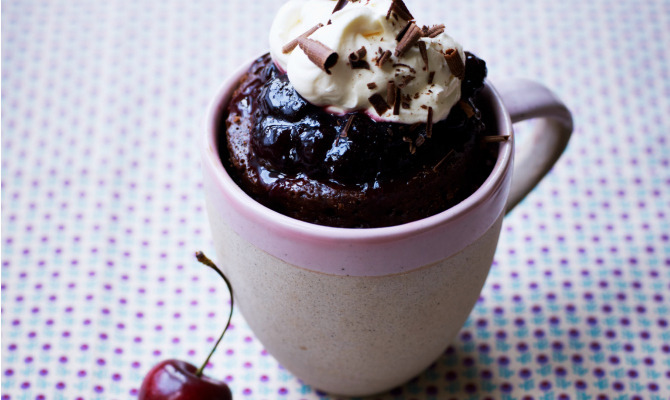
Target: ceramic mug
x,y
360,311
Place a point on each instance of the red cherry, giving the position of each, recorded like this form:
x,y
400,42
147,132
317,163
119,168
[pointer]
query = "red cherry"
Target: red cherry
x,y
178,380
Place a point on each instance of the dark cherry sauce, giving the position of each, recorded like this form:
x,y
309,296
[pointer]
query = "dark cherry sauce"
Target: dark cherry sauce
x,y
293,156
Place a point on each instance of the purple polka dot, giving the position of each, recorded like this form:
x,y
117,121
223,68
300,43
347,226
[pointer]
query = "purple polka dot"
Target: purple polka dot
x,y
470,388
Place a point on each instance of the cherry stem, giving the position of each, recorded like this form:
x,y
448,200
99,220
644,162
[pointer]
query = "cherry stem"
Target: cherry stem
x,y
204,260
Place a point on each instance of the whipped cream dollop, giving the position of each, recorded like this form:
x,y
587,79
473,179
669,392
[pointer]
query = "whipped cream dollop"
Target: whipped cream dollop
x,y
425,81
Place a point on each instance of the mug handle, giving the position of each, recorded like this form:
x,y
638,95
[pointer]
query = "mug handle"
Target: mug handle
x,y
525,99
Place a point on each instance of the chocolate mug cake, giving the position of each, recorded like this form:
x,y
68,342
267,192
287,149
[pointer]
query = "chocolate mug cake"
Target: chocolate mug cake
x,y
359,117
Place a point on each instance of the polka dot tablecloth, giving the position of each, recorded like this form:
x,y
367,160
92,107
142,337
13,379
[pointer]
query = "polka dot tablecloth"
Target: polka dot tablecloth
x,y
102,203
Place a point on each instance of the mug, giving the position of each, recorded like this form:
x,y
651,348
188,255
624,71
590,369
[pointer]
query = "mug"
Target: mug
x,y
360,311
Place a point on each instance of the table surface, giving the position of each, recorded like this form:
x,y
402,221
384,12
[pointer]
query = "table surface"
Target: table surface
x,y
102,203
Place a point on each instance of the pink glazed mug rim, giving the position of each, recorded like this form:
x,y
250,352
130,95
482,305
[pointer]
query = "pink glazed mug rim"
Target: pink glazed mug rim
x,y
470,218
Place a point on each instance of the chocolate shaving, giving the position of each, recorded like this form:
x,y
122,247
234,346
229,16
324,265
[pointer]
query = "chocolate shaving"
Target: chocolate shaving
x,y
347,126
396,104
372,85
390,93
405,80
412,149
318,53
496,139
431,75
429,123
401,5
345,130
455,63
420,140
378,102
356,59
385,56
424,54
360,64
434,31
407,100
467,108
340,5
408,40
400,9
442,160
402,32
358,54
288,47
412,70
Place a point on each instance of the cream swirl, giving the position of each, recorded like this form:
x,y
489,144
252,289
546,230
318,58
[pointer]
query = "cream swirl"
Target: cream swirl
x,y
425,82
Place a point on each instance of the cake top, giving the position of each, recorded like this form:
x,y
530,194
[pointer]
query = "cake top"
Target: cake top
x,y
368,55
